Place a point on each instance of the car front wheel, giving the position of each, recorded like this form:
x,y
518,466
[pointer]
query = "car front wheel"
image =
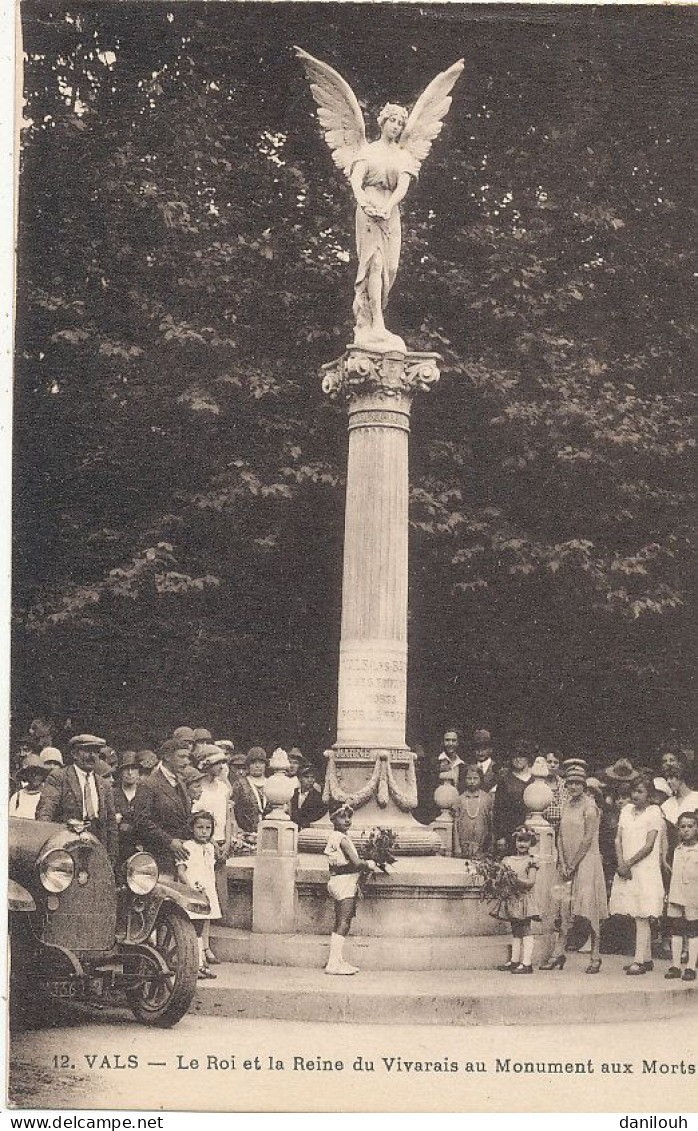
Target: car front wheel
x,y
163,998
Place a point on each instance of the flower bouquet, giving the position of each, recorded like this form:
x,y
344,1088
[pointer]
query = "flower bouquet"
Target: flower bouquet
x,y
378,851
499,883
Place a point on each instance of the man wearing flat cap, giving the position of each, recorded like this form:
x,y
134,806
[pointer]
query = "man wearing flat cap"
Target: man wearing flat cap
x,y
162,808
185,736
78,792
147,761
202,737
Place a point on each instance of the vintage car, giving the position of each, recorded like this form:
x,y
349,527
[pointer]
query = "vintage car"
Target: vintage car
x,y
80,933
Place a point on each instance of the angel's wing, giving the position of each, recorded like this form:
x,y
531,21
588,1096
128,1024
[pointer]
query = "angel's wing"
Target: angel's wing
x,y
338,110
426,120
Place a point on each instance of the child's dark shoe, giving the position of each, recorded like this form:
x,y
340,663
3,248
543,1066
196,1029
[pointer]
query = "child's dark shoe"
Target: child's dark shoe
x,y
689,975
507,967
521,969
672,972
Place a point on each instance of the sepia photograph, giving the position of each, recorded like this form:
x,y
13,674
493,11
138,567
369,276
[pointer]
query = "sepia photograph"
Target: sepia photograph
x,y
351,756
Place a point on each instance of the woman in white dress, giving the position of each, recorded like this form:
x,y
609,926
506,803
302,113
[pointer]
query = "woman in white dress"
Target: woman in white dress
x,y
638,889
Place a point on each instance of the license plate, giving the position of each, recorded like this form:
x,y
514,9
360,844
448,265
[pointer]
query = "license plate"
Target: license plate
x,y
66,988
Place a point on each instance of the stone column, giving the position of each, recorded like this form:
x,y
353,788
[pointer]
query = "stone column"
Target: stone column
x,y
537,796
274,878
370,763
445,796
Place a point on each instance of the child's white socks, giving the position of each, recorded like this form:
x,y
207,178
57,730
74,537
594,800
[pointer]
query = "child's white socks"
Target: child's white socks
x,y
335,962
527,950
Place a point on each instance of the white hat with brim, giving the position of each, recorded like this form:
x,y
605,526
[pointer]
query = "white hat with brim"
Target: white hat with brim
x,y
51,755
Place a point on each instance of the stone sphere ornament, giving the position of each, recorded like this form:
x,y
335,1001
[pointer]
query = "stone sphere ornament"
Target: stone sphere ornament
x,y
538,796
446,796
278,788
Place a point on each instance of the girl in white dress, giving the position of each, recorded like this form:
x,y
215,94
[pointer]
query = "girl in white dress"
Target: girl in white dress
x,y
638,889
345,871
198,870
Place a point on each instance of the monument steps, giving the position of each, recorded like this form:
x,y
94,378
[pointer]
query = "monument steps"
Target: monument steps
x,y
463,998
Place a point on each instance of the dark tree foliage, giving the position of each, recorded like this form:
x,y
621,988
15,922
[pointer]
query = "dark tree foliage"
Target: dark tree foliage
x,y
185,268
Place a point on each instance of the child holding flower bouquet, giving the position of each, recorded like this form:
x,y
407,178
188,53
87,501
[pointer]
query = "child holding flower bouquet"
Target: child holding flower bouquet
x,y
521,908
346,869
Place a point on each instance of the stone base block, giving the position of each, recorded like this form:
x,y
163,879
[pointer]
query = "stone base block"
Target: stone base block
x,y
311,951
423,899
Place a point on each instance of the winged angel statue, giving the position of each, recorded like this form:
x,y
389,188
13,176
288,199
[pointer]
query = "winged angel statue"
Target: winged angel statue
x,y
380,174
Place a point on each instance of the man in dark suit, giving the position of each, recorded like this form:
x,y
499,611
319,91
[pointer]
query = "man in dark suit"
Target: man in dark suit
x,y
482,741
161,808
307,805
76,792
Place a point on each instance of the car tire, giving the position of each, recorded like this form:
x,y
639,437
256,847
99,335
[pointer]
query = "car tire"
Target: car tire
x,y
165,1004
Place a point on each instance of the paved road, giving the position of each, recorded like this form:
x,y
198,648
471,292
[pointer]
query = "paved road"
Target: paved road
x,y
96,1048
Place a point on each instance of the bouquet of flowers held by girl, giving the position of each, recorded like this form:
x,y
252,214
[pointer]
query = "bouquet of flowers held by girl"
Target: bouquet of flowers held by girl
x,y
378,849
499,884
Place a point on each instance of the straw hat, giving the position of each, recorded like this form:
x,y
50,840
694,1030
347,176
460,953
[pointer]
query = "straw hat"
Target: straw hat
x,y
621,771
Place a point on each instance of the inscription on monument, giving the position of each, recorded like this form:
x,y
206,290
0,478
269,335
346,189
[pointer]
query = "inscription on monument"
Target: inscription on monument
x,y
372,697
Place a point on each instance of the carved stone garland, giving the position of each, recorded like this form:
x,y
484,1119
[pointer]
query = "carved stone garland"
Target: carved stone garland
x,y
382,783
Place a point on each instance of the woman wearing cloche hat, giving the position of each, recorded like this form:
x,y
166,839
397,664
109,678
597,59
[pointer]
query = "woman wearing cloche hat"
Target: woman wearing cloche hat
x,y
30,777
580,871
248,791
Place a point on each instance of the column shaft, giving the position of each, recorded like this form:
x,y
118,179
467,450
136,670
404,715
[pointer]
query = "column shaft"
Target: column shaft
x,y
373,651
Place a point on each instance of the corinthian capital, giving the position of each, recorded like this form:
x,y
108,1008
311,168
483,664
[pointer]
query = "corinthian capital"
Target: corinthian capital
x,y
359,371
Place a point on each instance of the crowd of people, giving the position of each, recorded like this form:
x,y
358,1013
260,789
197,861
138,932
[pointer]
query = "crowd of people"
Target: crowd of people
x,y
192,804
627,849
627,838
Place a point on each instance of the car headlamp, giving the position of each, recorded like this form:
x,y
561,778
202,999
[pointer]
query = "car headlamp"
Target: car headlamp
x,y
56,870
141,873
